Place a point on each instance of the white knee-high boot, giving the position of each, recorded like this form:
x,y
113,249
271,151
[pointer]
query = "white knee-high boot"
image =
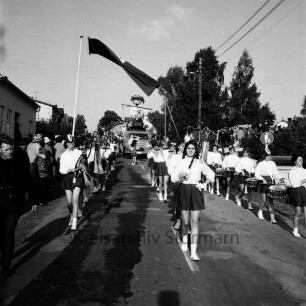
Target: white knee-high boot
x,y
185,243
193,254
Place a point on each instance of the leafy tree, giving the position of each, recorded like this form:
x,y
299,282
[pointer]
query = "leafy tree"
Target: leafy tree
x,y
80,125
212,85
56,127
244,105
180,91
291,139
157,119
303,110
107,121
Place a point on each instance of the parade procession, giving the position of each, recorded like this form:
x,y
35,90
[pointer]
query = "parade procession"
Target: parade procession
x,y
152,153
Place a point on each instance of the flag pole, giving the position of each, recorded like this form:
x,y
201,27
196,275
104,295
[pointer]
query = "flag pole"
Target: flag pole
x,y
165,119
76,88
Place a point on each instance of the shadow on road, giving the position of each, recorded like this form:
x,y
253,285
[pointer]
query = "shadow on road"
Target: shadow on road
x,y
39,239
107,281
168,298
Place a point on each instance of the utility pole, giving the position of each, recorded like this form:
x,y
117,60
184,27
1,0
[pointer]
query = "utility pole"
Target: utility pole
x,y
200,93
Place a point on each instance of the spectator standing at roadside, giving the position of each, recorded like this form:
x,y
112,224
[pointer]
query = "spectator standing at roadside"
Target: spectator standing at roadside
x,y
50,157
59,150
42,178
33,152
14,182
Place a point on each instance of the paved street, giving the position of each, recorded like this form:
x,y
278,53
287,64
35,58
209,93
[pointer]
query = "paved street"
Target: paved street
x,y
125,252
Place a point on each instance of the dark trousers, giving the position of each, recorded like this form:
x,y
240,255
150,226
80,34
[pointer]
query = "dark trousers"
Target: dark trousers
x,y
8,223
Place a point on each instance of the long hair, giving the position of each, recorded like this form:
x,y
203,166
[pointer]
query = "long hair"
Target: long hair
x,y
192,142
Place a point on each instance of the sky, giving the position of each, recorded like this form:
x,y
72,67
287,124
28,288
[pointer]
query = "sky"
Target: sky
x,y
40,46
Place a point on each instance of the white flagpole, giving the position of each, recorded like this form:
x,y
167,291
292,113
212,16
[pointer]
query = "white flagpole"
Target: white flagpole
x,y
76,88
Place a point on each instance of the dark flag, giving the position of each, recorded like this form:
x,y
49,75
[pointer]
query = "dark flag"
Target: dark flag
x,y
144,81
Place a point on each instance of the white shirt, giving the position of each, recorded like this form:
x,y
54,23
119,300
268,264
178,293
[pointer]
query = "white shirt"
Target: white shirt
x,y
173,161
230,161
162,156
266,168
106,153
59,150
150,154
68,160
112,147
296,175
214,158
194,173
245,163
33,151
91,154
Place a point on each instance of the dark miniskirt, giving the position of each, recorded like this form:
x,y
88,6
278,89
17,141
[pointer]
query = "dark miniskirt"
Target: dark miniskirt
x,y
229,173
242,178
298,196
188,197
151,162
264,188
161,169
68,183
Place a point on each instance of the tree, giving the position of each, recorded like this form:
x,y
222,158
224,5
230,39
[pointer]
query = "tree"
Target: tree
x,y
244,104
291,139
106,122
55,127
80,125
303,110
213,89
157,120
180,91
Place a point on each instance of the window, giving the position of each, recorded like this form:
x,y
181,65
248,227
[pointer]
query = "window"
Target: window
x,y
1,118
9,122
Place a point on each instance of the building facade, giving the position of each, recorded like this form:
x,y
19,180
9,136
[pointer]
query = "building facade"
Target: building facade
x,y
17,111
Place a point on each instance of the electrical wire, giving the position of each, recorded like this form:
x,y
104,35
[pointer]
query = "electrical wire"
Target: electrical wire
x,y
260,21
267,31
244,24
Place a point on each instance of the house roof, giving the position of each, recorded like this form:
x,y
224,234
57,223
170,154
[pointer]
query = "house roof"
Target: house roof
x,y
4,80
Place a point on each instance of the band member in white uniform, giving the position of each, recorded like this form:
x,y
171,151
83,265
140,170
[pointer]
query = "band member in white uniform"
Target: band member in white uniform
x,y
150,156
297,179
229,164
172,164
73,180
162,173
267,172
214,159
246,168
189,196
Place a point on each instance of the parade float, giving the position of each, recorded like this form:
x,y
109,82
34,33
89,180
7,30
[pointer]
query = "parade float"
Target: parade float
x,y
135,135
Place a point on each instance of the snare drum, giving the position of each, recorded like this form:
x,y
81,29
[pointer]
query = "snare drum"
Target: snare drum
x,y
220,172
252,182
278,192
230,173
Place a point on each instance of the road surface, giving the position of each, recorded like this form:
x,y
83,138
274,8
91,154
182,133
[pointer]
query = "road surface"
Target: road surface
x,y
126,252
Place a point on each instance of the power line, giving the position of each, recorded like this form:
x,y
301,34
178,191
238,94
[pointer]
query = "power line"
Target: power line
x,y
270,29
260,21
245,23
